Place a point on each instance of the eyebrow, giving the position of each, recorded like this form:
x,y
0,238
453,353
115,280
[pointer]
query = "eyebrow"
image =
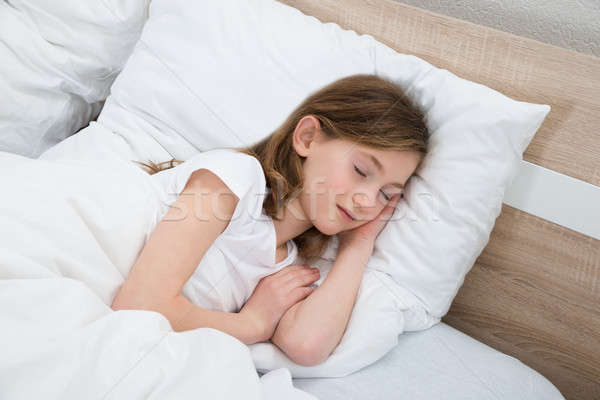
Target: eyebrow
x,y
380,168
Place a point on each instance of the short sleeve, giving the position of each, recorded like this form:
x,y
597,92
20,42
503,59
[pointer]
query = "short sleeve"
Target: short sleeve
x,y
240,172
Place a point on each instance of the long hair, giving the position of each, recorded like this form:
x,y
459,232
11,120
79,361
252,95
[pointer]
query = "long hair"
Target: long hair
x,y
365,109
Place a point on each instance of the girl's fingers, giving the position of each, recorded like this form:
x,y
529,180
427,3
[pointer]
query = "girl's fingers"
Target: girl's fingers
x,y
388,210
300,293
301,275
392,204
302,280
291,269
377,225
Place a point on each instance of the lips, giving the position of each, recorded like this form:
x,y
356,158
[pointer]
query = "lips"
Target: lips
x,y
342,209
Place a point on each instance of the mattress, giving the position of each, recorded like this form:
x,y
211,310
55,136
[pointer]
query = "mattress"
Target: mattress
x,y
437,363
440,362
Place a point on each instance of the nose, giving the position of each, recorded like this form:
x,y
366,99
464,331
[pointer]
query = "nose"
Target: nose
x,y
364,201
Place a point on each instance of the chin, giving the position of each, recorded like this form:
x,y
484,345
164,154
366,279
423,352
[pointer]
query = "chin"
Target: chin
x,y
329,229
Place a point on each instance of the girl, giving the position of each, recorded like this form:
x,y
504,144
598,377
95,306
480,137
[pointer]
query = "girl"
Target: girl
x,y
336,166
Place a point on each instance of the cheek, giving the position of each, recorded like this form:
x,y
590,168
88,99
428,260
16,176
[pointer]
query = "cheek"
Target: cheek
x,y
324,188
339,180
325,185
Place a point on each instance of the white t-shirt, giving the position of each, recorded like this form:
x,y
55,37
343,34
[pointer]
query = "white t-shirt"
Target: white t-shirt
x,y
245,252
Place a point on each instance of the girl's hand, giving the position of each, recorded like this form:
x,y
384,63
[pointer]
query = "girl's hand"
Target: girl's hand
x,y
274,294
367,233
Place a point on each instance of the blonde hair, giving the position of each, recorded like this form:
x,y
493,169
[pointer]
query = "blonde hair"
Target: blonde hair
x,y
365,109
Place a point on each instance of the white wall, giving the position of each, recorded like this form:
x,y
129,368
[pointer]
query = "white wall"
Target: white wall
x,y
572,24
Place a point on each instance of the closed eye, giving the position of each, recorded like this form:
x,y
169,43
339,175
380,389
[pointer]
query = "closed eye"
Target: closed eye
x,y
387,198
359,171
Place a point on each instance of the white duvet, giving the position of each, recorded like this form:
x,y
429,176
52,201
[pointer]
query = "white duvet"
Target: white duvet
x,y
70,232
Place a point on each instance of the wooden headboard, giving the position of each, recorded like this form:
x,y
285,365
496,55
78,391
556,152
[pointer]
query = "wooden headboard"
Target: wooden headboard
x,y
534,292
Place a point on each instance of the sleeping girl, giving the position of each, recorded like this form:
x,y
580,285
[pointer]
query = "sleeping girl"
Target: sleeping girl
x,y
222,252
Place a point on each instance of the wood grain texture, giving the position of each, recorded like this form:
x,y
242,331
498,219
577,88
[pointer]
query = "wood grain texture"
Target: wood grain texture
x,y
534,292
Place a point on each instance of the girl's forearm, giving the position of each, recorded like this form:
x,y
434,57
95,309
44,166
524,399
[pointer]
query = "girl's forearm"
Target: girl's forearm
x,y
184,315
312,328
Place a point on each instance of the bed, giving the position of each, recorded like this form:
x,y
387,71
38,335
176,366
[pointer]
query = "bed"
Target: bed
x,y
525,322
533,293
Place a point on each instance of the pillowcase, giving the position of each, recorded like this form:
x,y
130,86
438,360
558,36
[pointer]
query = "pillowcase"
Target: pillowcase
x,y
478,137
221,74
58,62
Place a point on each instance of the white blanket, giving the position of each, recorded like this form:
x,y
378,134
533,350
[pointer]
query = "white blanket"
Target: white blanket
x,y
70,232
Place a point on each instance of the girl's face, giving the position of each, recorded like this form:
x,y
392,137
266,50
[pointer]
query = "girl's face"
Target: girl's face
x,y
342,175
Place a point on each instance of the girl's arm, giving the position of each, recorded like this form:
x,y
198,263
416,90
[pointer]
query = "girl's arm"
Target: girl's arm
x,y
172,253
184,316
311,329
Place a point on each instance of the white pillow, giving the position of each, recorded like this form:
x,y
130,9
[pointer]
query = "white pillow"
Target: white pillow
x,y
58,62
220,74
478,137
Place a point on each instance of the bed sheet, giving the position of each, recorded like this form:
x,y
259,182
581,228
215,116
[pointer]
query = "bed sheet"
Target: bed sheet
x,y
440,362
437,363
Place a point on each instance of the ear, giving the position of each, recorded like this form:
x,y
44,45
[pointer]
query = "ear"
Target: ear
x,y
308,130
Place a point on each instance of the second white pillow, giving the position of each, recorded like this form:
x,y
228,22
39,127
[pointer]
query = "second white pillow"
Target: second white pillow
x,y
58,62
